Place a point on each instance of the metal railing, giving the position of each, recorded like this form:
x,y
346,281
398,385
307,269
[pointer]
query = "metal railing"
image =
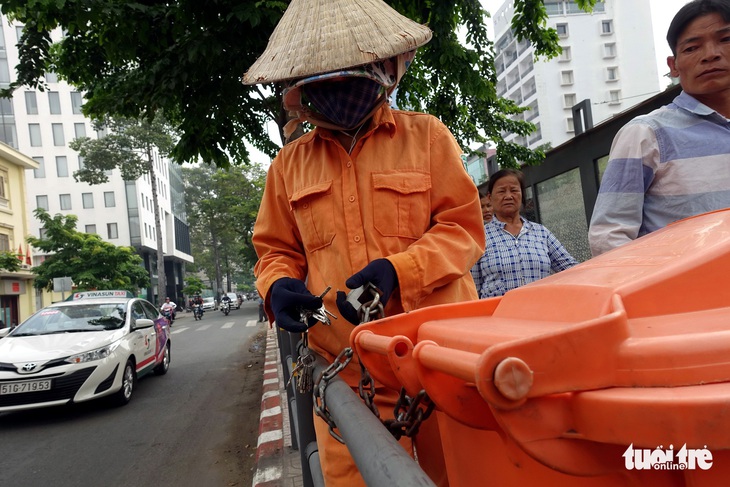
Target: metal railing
x,y
379,457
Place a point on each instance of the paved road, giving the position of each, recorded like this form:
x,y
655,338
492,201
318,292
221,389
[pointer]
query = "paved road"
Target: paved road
x,y
195,426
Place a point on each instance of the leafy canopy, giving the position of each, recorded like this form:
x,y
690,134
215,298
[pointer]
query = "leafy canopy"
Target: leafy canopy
x,y
91,262
187,57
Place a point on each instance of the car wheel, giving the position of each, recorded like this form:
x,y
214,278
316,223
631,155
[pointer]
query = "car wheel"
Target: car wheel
x,y
129,380
165,364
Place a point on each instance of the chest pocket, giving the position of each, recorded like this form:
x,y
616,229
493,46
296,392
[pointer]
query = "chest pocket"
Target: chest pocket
x,y
314,210
402,206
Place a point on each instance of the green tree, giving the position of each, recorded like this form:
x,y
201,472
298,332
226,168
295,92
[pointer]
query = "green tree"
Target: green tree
x,y
193,286
186,57
221,209
9,261
91,262
129,146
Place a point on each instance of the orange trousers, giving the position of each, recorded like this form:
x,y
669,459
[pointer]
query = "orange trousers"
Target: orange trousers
x,y
338,466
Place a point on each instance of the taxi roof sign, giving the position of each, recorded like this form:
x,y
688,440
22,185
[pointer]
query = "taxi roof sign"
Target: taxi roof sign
x,y
100,294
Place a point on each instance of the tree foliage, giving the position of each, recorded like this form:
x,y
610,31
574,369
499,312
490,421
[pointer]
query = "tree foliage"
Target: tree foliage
x,y
91,262
128,145
187,57
221,209
9,262
193,286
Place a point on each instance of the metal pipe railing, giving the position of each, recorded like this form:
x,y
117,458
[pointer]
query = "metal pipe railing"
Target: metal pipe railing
x,y
379,457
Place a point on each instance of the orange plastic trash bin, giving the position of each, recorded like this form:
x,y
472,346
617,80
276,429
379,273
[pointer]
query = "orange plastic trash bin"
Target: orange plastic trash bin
x,y
614,372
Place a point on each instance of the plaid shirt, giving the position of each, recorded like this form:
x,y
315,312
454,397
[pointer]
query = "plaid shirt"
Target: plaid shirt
x,y
509,262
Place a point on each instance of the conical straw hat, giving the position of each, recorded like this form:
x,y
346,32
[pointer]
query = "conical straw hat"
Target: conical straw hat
x,y
319,36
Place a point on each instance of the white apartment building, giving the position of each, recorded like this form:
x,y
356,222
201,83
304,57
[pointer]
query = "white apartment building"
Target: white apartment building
x,y
608,58
41,124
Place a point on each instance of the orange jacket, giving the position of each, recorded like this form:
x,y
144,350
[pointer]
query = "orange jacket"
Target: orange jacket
x,y
403,194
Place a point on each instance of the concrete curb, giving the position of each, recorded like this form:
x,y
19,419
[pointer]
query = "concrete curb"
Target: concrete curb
x,y
271,441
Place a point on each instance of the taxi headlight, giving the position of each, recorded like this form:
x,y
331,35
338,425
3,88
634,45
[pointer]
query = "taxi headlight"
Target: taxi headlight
x,y
91,355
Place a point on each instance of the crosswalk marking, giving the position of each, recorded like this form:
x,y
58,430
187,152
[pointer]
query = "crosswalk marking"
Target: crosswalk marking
x,y
228,325
251,323
180,330
204,327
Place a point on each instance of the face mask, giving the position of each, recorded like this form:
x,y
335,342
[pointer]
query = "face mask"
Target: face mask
x,y
345,101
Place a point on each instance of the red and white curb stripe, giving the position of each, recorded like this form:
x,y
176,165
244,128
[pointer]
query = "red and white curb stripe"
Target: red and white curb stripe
x,y
274,420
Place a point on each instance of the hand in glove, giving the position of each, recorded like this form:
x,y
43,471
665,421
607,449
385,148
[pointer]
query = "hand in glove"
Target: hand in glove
x,y
379,273
288,297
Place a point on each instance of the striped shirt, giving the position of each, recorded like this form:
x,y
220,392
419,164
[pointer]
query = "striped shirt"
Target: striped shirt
x,y
664,166
509,262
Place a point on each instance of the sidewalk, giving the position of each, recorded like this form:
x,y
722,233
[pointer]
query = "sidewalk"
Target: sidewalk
x,y
277,463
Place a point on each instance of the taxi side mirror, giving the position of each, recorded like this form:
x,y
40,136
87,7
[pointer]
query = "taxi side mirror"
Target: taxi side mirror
x,y
4,331
142,323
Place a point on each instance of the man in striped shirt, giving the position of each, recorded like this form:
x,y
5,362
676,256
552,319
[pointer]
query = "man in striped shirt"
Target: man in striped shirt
x,y
675,161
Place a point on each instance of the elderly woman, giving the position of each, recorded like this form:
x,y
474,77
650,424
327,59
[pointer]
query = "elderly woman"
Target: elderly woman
x,y
518,251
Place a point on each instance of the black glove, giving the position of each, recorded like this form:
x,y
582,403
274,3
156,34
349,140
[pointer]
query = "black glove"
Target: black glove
x,y
379,273
288,297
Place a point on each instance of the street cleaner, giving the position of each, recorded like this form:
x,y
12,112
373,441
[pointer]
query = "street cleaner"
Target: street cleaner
x,y
371,195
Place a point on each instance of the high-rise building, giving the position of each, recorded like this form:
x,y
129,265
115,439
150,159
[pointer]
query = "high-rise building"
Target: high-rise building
x,y
41,124
608,61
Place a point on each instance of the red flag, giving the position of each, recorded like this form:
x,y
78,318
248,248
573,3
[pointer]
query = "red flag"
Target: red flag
x,y
20,253
28,258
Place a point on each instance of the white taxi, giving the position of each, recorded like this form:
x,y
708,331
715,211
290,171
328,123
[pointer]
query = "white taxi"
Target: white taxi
x,y
96,344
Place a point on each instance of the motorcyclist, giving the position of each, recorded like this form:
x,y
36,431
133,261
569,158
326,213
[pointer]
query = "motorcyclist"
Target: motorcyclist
x,y
169,306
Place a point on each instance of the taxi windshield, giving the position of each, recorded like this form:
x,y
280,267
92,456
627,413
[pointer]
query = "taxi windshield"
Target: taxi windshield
x,y
73,319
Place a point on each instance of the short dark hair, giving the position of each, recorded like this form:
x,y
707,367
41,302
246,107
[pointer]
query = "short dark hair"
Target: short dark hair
x,y
692,10
502,173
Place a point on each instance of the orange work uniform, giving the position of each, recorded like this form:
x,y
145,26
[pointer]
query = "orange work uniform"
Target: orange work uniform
x,y
402,194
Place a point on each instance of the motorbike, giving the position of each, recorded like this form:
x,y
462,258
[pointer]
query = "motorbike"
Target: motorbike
x,y
225,307
198,311
167,313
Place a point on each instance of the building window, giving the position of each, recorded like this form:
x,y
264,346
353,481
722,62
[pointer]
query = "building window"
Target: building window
x,y
566,77
41,171
554,8
109,201
58,138
88,200
90,228
609,50
65,200
606,27
569,125
76,102
51,77
81,163
569,100
562,30
80,130
42,233
612,73
4,242
565,55
62,166
54,103
18,32
111,230
41,201
35,134
31,103
614,97
4,194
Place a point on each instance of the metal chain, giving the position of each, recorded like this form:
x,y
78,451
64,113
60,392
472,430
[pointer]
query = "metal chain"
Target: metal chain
x,y
320,385
408,416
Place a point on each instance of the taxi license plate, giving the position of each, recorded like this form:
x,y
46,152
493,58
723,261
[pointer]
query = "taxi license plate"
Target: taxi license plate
x,y
21,387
